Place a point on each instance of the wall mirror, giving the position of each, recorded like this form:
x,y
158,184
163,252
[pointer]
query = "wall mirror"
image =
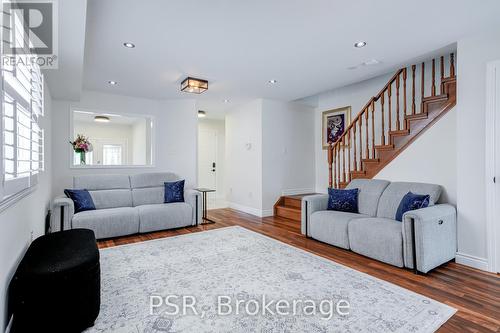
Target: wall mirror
x,y
101,139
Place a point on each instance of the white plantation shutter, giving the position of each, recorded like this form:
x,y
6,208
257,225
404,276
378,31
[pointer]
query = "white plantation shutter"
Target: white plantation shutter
x,y
22,107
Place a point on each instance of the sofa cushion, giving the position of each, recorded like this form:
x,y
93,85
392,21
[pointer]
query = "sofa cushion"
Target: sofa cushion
x,y
343,200
102,182
82,200
377,238
390,199
174,191
111,198
330,226
411,201
370,191
154,179
164,216
149,188
110,222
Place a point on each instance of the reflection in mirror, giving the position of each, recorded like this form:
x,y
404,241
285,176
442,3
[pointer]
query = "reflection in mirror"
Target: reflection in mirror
x,y
106,139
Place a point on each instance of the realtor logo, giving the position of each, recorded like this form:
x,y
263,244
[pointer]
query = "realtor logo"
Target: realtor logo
x,y
29,32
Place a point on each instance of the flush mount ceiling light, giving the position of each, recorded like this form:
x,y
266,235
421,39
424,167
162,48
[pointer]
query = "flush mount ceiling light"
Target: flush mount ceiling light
x,y
226,101
101,119
113,83
201,114
194,85
273,81
129,45
360,44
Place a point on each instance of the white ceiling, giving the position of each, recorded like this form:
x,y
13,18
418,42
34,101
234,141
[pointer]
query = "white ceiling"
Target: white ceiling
x,y
114,119
239,45
66,81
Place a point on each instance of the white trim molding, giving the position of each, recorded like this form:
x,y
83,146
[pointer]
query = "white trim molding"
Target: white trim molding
x,y
472,261
298,191
251,210
492,165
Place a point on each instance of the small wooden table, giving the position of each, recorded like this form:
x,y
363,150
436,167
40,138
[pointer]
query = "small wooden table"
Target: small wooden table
x,y
204,192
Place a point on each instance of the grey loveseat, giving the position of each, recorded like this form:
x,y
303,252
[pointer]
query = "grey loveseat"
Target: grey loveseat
x,y
127,205
375,233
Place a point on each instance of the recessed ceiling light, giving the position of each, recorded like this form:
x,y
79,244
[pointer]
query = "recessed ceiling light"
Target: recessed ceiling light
x,y
129,45
101,119
226,101
113,83
360,44
273,81
201,114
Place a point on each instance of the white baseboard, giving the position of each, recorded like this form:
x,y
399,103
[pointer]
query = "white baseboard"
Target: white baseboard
x,y
298,191
251,210
472,261
267,212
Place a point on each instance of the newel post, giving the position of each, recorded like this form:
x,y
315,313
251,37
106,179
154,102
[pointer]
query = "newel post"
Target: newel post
x,y
330,162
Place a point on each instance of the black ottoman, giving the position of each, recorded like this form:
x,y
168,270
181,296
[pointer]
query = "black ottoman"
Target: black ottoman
x,y
57,285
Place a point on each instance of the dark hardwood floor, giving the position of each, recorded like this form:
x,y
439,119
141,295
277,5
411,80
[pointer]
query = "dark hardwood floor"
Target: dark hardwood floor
x,y
475,294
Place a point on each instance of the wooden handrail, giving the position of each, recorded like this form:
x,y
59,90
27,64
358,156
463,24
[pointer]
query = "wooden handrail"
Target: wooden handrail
x,y
359,139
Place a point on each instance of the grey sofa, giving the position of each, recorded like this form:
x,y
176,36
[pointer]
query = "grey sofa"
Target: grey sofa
x,y
127,205
375,233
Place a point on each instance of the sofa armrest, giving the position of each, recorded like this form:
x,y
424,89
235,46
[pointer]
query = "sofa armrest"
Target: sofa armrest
x,y
311,204
192,197
435,236
67,207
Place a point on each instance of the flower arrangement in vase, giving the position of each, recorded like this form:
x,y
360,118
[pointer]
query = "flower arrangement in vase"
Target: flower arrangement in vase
x,y
81,146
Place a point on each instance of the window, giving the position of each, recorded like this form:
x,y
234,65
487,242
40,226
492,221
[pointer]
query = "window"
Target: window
x,y
22,107
111,154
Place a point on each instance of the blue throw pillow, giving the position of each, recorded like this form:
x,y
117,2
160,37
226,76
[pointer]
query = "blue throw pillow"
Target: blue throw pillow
x,y
343,200
82,200
411,201
174,191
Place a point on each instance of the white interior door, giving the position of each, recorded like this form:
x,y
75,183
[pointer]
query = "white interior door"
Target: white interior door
x,y
207,159
496,144
492,147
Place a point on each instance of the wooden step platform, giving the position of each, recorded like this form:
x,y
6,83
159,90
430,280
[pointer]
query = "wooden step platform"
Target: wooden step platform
x,y
289,206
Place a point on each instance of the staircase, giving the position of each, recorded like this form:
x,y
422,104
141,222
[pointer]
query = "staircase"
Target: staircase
x,y
289,206
392,120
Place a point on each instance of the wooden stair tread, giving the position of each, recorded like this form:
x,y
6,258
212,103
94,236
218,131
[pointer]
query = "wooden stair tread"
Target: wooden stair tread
x,y
384,147
358,172
370,160
400,132
422,115
287,207
434,99
288,212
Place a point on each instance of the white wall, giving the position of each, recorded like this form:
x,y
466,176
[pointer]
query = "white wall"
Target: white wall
x,y
431,158
244,158
139,141
473,55
26,216
218,126
174,129
287,151
281,158
355,95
